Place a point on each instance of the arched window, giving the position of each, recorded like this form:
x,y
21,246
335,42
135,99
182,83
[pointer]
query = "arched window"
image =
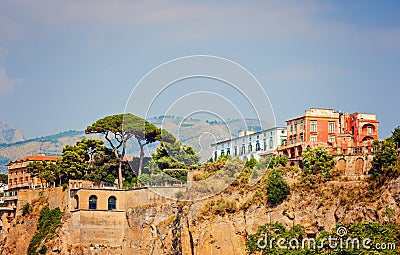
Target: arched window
x,y
76,197
112,203
92,202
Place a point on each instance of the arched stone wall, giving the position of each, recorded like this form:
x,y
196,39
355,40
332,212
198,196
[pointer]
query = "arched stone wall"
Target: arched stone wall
x,y
341,166
359,166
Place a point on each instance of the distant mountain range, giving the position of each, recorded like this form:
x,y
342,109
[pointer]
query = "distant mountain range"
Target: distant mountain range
x,y
8,134
194,132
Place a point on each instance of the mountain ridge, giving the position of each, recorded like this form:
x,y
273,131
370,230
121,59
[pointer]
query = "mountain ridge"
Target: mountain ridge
x,y
193,132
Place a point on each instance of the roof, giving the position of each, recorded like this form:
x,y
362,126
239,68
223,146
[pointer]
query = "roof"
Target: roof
x,y
35,158
252,134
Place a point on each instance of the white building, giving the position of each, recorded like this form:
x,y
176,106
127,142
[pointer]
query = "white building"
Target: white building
x,y
252,144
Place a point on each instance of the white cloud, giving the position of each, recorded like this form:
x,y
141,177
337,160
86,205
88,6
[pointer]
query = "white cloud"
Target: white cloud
x,y
183,21
7,84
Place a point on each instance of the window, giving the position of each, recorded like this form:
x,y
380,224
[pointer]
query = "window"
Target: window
x,y
313,126
92,202
291,140
258,147
271,143
228,151
222,152
250,147
283,141
331,127
369,130
301,137
291,128
301,125
265,144
313,138
215,155
331,139
243,150
235,151
112,203
76,197
295,127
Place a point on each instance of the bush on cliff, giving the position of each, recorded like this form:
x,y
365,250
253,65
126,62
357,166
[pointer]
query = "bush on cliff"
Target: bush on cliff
x,y
277,187
49,221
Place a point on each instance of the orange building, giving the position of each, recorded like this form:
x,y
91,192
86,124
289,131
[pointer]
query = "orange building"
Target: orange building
x,y
18,176
340,133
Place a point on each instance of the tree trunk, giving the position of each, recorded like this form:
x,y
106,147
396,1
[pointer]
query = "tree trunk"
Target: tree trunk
x,y
141,156
120,186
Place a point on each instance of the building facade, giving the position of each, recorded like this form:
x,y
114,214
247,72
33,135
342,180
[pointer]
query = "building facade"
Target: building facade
x,y
18,176
252,144
339,133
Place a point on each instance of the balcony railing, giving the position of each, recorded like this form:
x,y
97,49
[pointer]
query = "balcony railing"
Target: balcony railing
x,y
9,198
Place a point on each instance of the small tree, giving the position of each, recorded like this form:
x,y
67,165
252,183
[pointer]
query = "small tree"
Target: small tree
x,y
3,178
277,188
277,161
318,164
384,164
396,136
118,129
44,170
175,155
251,162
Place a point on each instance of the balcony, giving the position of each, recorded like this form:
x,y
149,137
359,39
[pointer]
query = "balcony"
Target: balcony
x,y
10,198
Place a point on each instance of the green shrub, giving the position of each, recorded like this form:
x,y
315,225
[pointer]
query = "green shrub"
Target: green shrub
x,y
178,174
277,187
43,250
251,162
49,221
272,232
26,209
278,161
318,165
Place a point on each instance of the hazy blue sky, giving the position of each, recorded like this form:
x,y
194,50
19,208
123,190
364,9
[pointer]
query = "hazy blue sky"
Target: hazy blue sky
x,y
64,64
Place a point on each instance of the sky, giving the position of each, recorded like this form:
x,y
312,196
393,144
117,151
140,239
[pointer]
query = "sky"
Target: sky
x,y
65,64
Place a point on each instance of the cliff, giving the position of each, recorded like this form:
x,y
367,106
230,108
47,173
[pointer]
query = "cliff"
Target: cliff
x,y
217,225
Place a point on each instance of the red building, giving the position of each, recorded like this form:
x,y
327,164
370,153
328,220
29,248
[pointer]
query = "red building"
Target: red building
x,y
338,132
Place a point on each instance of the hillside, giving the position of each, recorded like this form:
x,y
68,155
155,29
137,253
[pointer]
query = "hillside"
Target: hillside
x,y
194,132
8,134
49,145
217,225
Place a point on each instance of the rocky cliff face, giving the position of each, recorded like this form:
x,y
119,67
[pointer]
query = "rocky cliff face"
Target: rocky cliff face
x,y
221,224
188,229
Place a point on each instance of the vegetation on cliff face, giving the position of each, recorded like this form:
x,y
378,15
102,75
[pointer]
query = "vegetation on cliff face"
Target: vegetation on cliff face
x,y
345,239
385,163
49,221
277,187
318,165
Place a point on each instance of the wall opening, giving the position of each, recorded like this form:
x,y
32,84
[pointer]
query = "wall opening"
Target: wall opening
x,y
76,197
93,202
341,166
359,166
112,203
